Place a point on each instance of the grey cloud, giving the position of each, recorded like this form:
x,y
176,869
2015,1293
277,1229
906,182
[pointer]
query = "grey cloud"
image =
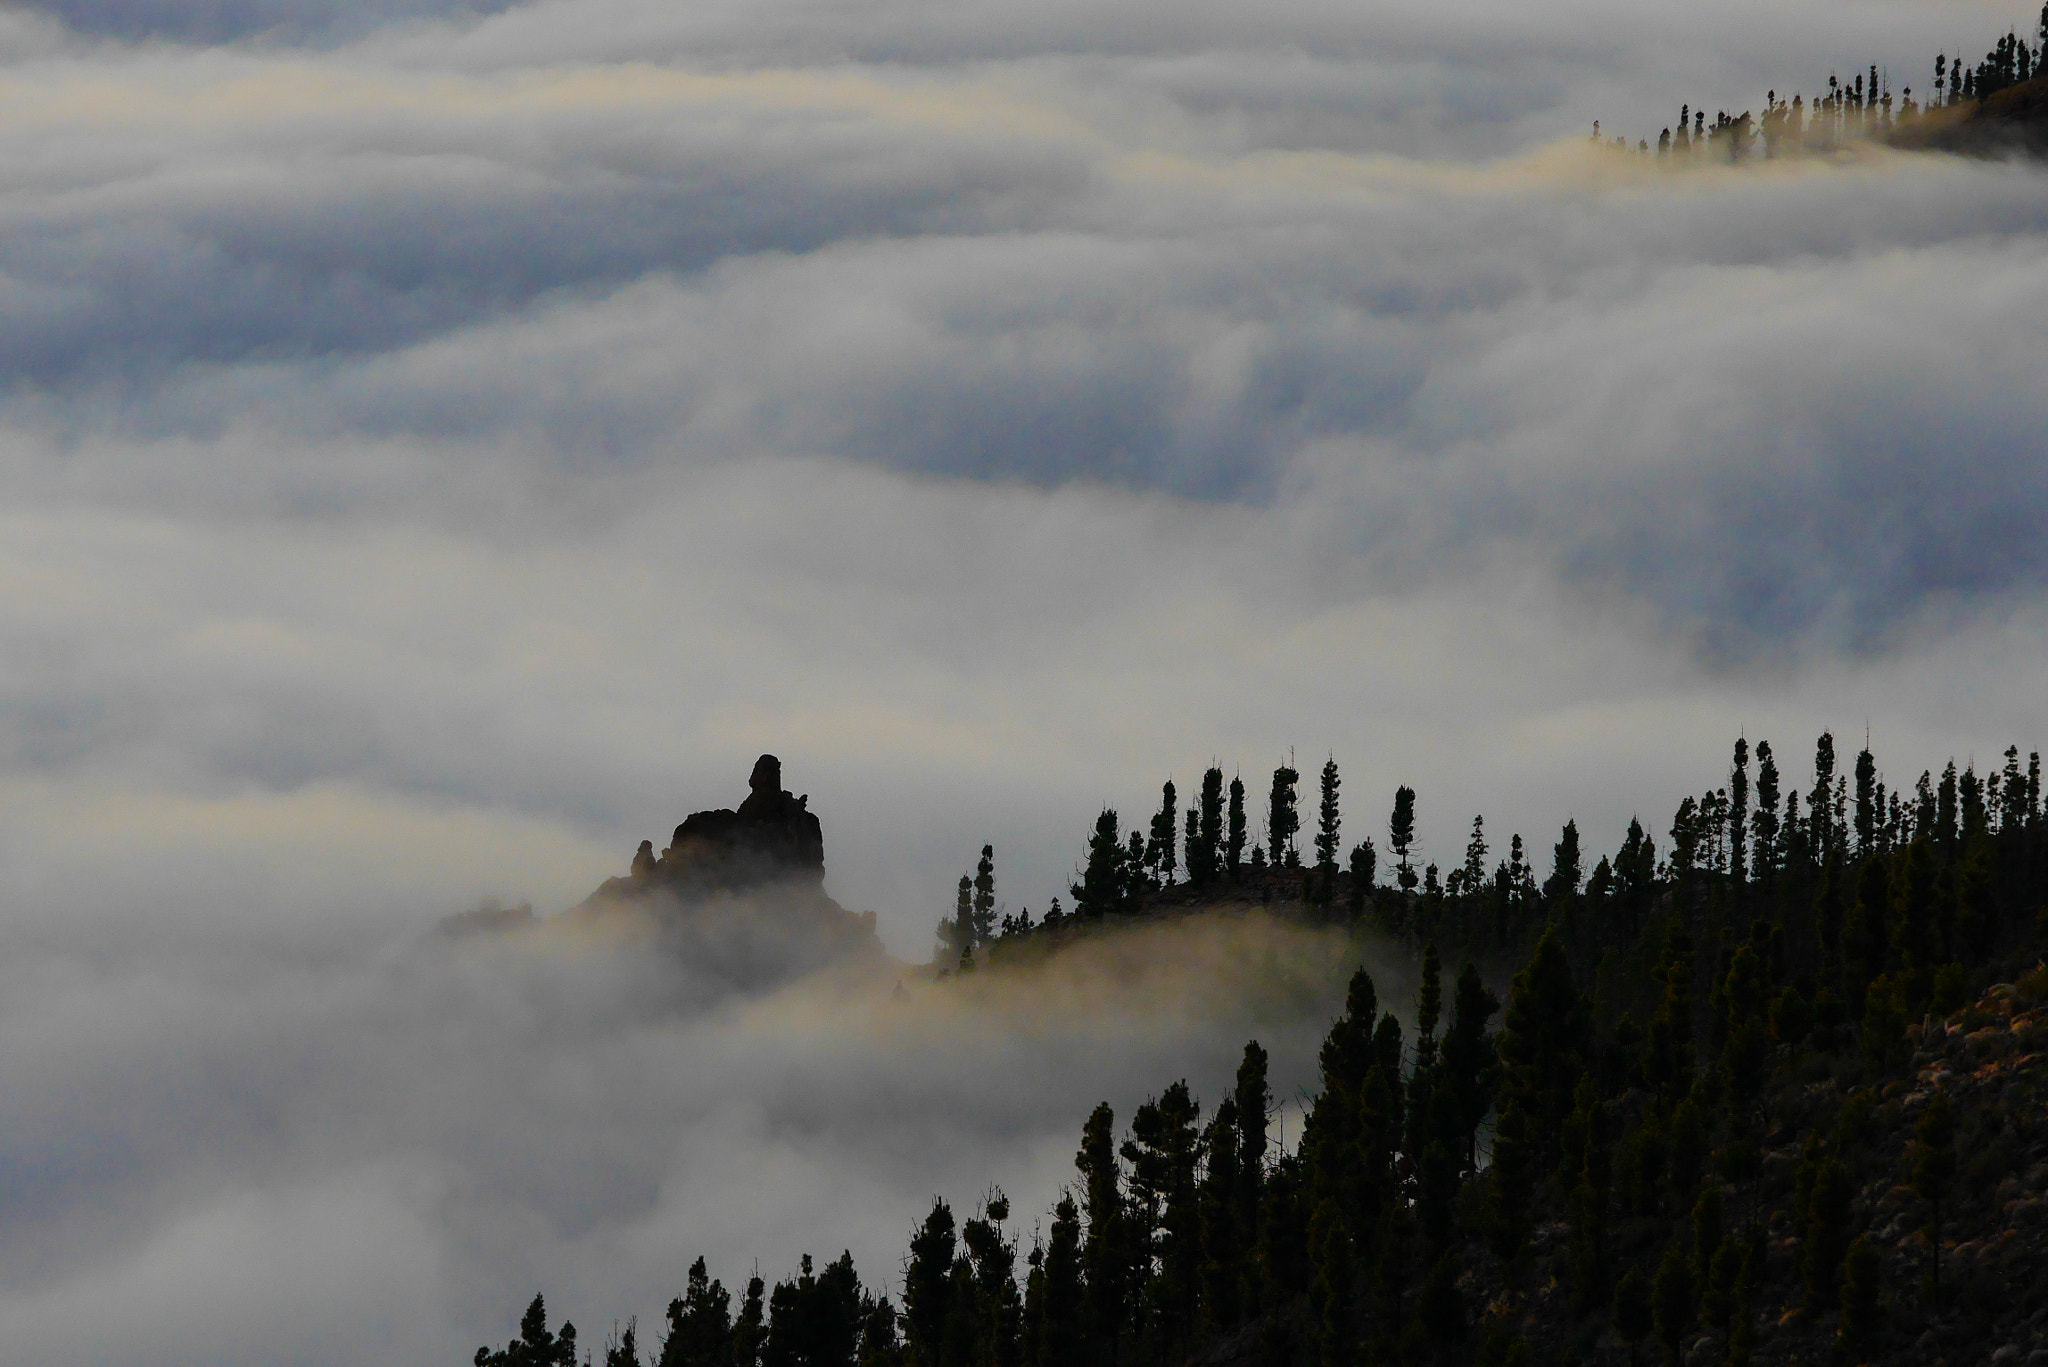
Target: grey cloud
x,y
218,21
510,1115
1464,367
248,250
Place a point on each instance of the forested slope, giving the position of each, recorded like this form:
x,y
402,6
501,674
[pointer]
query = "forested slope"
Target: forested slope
x,y
1768,1093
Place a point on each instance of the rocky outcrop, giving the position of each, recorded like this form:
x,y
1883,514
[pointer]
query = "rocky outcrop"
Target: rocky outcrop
x,y
773,839
742,890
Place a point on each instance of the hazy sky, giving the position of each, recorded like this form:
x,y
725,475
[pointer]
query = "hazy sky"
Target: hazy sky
x,y
441,446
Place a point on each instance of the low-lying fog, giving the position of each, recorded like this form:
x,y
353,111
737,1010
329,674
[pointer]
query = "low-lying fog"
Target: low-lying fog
x,y
273,1151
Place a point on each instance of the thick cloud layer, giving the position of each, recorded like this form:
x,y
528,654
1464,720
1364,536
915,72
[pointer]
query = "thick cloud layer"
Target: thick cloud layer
x,y
256,1157
441,445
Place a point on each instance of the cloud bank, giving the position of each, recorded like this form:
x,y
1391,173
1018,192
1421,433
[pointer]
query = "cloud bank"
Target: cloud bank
x,y
251,1156
442,445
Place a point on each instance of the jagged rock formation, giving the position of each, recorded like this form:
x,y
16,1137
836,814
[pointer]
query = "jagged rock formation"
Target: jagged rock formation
x,y
773,838
742,890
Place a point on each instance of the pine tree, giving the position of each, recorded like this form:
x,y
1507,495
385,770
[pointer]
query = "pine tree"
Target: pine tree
x,y
1060,1334
699,1324
1105,1259
1328,821
1473,875
1205,846
1913,915
995,1312
1765,826
1934,1167
1159,853
1223,1242
956,932
1565,865
750,1330
928,1288
1864,942
1429,1001
1103,886
879,1346
1330,1289
1401,835
1252,1104
1819,804
985,896
625,1352
1738,811
1465,1075
1668,1053
1509,1185
1282,818
1163,1200
1363,871
1586,1156
1541,1041
535,1346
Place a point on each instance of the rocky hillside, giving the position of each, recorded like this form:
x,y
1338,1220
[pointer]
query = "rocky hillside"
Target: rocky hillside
x,y
1990,1061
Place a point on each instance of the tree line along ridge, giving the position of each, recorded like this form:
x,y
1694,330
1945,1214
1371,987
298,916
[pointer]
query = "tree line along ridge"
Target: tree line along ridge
x,y
1861,108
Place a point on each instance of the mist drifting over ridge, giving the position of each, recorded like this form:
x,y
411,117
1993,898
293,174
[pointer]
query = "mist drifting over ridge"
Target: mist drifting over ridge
x,y
260,1156
442,444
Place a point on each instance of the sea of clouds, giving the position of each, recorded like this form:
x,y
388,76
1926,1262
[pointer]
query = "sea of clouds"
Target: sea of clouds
x,y
442,446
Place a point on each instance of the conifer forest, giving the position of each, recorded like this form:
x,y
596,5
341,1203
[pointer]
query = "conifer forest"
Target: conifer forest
x,y
1760,1086
1871,105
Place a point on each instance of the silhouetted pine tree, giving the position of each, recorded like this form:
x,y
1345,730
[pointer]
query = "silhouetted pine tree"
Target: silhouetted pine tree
x,y
1103,886
1328,822
985,896
1159,852
1401,835
1234,845
1283,819
1205,848
1363,872
1106,1263
535,1346
699,1324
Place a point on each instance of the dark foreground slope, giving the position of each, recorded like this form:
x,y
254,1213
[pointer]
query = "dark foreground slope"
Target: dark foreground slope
x,y
1771,1094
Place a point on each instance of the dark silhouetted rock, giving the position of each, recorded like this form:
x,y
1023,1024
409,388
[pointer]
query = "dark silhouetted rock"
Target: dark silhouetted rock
x,y
742,891
772,838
